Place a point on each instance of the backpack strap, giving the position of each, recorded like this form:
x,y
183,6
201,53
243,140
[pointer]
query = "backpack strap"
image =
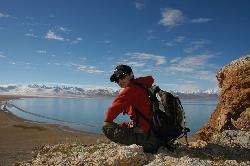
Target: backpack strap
x,y
151,95
137,111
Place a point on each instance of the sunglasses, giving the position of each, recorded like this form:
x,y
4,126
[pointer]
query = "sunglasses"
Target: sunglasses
x,y
122,76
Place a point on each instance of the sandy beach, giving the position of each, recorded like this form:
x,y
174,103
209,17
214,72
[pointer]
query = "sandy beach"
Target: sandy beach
x,y
18,137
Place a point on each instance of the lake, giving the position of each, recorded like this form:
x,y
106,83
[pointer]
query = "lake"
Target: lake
x,y
88,114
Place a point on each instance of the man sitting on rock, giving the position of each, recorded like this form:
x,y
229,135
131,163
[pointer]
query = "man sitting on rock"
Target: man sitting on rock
x,y
137,131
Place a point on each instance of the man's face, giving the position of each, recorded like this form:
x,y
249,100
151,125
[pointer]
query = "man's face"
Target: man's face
x,y
124,81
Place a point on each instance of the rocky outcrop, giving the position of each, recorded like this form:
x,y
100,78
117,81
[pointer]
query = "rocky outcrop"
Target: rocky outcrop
x,y
226,151
233,138
233,109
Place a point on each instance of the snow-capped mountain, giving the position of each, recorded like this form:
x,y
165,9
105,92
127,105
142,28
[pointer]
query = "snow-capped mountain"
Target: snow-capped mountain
x,y
60,91
211,91
73,91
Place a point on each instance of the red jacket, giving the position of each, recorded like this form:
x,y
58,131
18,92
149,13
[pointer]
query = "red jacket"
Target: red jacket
x,y
135,96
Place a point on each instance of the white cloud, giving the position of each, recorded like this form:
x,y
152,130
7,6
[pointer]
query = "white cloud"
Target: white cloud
x,y
140,4
131,63
195,45
104,42
159,60
29,18
205,75
189,82
2,56
77,40
41,51
179,68
107,42
2,15
196,61
176,59
13,63
178,39
88,69
31,35
170,44
51,35
147,70
135,64
185,87
82,58
150,35
196,66
189,63
169,84
200,20
64,29
150,31
188,88
52,16
172,17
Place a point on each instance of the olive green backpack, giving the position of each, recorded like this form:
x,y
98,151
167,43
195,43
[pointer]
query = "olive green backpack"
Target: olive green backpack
x,y
168,121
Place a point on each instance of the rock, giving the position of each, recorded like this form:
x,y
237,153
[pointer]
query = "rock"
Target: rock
x,y
128,155
220,152
243,120
233,138
198,144
233,109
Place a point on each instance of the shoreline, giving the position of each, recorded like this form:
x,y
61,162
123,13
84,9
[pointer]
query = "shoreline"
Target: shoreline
x,y
62,127
20,136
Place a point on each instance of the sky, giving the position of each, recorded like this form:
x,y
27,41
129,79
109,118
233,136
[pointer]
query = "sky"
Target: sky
x,y
181,43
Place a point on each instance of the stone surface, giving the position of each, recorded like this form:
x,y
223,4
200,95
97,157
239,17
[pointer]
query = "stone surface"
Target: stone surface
x,y
231,147
233,138
233,109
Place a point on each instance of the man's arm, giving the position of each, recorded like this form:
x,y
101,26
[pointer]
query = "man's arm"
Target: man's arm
x,y
120,104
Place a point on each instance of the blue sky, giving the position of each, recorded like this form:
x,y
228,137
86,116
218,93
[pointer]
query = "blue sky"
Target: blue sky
x,y
182,44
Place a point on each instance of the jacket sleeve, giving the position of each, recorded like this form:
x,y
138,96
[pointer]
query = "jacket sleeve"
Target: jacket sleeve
x,y
119,105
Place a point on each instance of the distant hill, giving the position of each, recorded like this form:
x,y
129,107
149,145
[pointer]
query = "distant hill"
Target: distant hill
x,y
72,91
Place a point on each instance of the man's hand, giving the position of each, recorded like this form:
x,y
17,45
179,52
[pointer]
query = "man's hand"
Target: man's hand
x,y
131,124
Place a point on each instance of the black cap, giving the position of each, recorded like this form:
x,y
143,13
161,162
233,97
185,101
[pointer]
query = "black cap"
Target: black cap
x,y
120,70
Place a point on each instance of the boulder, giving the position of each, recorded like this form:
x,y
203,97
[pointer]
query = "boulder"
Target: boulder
x,y
233,108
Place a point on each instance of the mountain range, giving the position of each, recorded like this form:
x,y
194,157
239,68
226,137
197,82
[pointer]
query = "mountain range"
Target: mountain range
x,y
73,91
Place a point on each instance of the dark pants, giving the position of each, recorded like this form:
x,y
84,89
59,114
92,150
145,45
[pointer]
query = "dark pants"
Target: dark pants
x,y
127,136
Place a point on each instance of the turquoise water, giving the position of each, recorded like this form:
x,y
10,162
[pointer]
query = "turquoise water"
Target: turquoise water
x,y
88,114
